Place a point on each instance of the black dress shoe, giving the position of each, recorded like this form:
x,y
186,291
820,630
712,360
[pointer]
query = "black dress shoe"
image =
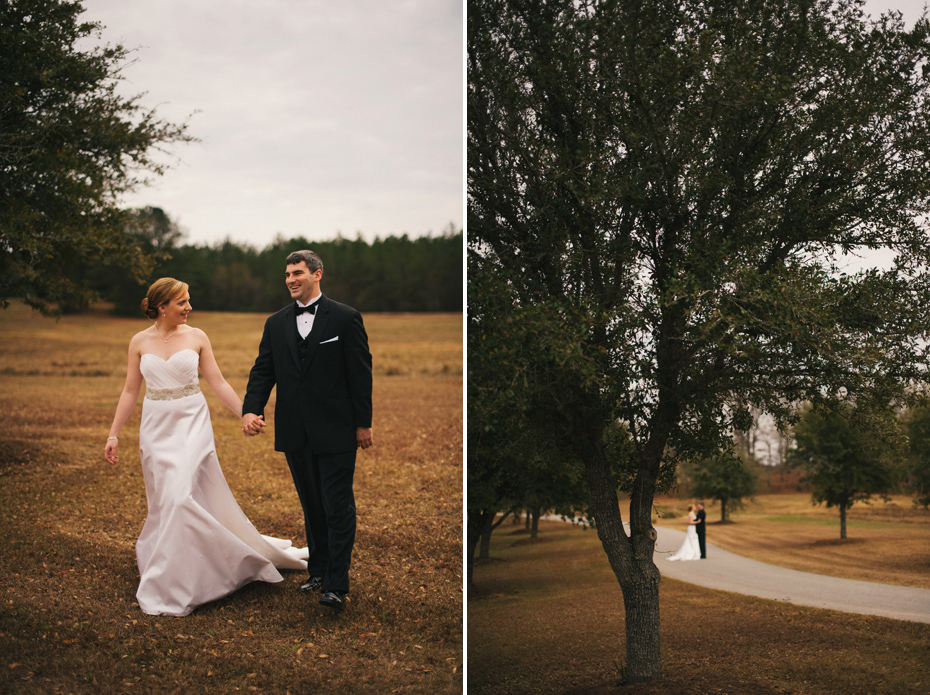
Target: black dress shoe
x,y
333,599
312,584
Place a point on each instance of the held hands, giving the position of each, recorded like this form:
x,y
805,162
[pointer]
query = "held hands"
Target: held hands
x,y
253,424
363,437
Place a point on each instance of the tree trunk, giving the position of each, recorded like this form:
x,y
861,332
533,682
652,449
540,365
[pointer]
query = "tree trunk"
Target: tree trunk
x,y
534,528
630,557
485,527
842,520
472,541
723,510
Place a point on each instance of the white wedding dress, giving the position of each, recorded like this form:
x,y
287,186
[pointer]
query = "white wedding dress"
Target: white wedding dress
x,y
690,549
196,544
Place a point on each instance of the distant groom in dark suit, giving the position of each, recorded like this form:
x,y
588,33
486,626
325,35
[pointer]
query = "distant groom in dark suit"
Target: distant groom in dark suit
x,y
315,351
701,528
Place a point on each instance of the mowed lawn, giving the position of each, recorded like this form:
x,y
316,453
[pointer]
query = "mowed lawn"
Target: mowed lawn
x,y
69,622
546,616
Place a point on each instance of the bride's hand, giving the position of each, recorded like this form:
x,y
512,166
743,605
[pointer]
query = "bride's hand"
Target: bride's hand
x,y
109,452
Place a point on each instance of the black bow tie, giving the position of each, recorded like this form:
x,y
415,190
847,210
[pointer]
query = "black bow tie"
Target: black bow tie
x,y
301,309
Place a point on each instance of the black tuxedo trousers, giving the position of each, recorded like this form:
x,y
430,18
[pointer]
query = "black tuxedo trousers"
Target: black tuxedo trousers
x,y
324,486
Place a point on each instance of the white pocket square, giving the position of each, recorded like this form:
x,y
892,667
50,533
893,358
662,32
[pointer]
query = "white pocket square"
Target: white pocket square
x,y
331,340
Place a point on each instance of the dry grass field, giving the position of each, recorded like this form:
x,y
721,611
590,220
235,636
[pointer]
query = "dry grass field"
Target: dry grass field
x,y
547,616
69,521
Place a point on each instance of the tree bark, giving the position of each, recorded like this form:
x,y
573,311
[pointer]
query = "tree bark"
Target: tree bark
x,y
723,510
630,557
485,547
534,526
472,541
486,526
842,521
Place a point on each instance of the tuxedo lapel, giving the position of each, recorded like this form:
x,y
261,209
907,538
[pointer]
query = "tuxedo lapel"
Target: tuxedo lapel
x,y
290,333
320,320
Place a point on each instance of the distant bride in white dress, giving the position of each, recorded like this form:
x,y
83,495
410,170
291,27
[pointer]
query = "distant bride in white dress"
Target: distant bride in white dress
x,y
196,544
690,549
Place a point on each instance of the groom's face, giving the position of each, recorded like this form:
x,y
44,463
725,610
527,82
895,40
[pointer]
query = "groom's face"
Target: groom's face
x,y
301,283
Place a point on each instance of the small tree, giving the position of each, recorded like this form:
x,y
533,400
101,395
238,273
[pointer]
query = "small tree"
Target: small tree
x,y
841,462
917,423
726,477
156,235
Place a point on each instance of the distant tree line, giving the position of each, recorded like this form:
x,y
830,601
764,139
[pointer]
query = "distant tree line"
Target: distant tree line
x,y
395,274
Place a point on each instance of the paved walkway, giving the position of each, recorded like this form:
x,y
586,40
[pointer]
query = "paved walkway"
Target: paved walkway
x,y
730,572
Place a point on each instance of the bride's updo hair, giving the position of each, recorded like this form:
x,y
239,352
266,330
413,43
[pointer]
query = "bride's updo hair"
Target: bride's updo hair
x,y
160,293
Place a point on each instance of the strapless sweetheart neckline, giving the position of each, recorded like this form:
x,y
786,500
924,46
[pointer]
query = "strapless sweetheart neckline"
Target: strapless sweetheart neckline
x,y
152,354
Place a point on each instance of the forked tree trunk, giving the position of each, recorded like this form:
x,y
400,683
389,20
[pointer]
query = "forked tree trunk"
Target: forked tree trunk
x,y
480,526
486,526
630,557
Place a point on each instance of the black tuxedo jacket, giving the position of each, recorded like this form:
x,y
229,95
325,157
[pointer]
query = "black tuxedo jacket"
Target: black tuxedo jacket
x,y
699,527
321,402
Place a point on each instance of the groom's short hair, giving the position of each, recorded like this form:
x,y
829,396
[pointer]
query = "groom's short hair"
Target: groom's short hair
x,y
311,259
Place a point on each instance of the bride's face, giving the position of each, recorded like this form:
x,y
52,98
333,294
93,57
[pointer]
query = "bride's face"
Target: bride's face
x,y
177,309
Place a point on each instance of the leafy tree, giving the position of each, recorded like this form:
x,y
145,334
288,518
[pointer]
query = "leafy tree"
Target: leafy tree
x,y
917,422
156,235
494,406
726,477
69,146
514,457
843,464
668,190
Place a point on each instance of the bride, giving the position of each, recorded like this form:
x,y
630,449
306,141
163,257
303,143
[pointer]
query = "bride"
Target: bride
x,y
689,550
196,544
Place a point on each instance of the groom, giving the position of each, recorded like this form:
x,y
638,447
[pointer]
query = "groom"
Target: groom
x,y
699,527
316,352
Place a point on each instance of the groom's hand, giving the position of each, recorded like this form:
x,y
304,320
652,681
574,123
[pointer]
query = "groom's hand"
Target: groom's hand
x,y
253,424
363,437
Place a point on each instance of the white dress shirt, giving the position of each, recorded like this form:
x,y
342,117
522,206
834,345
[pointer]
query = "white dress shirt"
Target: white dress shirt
x,y
305,320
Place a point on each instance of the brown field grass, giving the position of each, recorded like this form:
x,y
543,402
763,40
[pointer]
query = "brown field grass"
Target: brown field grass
x,y
69,521
547,617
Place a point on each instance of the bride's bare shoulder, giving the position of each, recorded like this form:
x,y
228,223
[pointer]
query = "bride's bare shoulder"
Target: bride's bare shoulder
x,y
141,338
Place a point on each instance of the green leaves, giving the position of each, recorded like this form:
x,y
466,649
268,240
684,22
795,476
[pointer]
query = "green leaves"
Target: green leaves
x,y
666,191
69,145
844,460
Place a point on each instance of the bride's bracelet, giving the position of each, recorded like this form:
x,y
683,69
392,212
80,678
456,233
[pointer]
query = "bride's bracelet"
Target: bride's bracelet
x,y
109,438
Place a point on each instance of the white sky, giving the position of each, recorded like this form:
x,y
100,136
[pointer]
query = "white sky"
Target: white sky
x,y
314,118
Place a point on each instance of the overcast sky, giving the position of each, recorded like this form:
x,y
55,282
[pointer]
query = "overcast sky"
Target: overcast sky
x,y
315,118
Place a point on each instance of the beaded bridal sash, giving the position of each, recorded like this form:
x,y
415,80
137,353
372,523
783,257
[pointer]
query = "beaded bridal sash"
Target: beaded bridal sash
x,y
172,394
